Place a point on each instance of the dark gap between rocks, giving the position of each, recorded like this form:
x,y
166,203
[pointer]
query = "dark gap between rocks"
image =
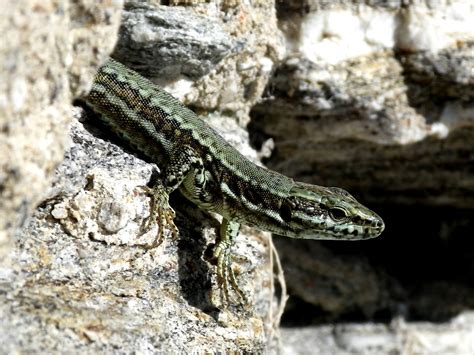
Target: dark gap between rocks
x,y
423,267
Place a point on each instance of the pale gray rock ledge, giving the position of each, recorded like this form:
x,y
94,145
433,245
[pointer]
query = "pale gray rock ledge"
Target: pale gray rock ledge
x,y
168,42
82,280
48,55
340,126
398,337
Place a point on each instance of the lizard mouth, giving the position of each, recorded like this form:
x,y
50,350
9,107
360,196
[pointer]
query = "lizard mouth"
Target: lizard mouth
x,y
367,229
347,232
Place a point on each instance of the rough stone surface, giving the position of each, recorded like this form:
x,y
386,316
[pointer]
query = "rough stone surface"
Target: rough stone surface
x,y
81,277
168,42
224,3
86,281
398,337
213,58
41,50
375,98
385,117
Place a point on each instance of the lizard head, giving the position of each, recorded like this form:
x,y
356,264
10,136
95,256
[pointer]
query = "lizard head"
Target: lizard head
x,y
316,212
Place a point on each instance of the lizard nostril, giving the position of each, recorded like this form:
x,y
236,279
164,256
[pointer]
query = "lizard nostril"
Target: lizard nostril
x,y
379,225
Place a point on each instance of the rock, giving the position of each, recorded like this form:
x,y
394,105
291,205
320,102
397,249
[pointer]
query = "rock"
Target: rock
x,y
373,98
171,41
377,99
386,117
88,274
453,337
80,276
45,64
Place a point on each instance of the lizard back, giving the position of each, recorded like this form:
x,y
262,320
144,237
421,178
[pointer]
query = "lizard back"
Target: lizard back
x,y
157,124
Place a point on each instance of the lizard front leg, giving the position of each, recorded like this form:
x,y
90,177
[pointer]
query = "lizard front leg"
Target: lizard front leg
x,y
183,163
186,169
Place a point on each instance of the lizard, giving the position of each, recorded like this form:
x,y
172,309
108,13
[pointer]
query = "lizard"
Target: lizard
x,y
215,176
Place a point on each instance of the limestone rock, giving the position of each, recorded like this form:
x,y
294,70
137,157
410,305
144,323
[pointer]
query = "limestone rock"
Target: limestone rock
x,y
377,98
381,99
81,278
90,282
41,51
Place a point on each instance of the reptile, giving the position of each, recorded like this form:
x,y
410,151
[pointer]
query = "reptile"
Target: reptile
x,y
215,176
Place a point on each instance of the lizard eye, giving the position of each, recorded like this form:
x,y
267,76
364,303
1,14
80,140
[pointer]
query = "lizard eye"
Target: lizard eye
x,y
285,212
337,213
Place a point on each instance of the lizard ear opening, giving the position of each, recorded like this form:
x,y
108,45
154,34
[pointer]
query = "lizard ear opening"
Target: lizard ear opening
x,y
285,212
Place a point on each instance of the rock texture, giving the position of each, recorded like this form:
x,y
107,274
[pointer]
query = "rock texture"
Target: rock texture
x,y
398,337
81,278
381,99
375,98
88,282
168,42
46,60
212,58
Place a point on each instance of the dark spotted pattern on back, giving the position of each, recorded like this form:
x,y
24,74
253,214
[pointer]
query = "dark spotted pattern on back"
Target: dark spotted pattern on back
x,y
149,119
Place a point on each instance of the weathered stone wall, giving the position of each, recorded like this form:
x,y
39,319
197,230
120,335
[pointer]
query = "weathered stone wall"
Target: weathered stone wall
x,y
375,98
77,276
48,55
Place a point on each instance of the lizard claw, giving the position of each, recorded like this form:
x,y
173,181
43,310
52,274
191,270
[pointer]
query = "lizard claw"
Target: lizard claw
x,y
225,273
161,212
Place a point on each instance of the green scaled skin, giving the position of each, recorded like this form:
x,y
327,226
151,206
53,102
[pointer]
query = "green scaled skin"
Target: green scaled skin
x,y
212,174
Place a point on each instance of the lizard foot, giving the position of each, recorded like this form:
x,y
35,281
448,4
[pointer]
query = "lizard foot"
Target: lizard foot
x,y
161,212
225,273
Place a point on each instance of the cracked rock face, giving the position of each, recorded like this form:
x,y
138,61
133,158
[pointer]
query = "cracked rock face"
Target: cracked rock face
x,y
374,124
379,97
378,100
45,57
375,98
79,275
